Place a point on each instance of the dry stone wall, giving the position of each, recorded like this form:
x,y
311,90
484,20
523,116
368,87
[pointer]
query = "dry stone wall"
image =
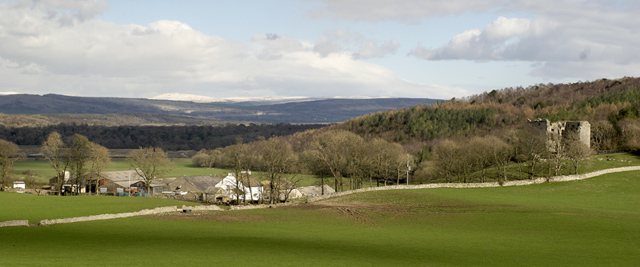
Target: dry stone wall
x,y
109,216
317,198
14,223
564,178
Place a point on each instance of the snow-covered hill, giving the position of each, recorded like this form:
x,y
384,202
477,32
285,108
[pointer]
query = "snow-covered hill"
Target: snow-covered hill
x,y
208,99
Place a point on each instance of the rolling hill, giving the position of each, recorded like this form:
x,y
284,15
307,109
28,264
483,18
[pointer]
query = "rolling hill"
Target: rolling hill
x,y
165,111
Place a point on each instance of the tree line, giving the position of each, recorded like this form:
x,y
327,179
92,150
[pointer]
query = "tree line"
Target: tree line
x,y
167,137
481,158
609,105
340,158
80,162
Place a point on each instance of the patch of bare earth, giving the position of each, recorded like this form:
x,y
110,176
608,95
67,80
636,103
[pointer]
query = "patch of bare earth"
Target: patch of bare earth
x,y
210,217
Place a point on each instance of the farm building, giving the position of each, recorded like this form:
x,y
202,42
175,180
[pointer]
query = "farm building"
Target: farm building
x,y
19,184
247,188
158,185
116,182
195,187
216,194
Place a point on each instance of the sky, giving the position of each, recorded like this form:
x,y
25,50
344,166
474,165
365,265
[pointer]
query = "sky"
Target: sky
x,y
311,48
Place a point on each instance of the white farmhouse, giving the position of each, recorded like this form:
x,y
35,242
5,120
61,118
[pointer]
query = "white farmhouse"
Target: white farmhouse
x,y
248,187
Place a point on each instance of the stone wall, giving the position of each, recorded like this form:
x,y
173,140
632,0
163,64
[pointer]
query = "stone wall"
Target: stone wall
x,y
564,178
14,223
109,216
201,208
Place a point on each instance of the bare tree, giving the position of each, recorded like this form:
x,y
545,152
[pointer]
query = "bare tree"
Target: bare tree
x,y
277,161
79,150
385,158
99,159
447,156
501,155
630,131
480,154
338,150
532,145
312,163
150,163
576,151
56,152
603,136
238,160
9,153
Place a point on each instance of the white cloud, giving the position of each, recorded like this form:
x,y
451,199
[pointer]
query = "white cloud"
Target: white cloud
x,y
569,39
59,47
338,42
474,44
401,10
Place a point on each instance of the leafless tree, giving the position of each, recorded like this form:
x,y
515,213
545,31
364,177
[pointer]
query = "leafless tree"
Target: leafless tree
x,y
532,145
447,156
338,149
630,132
149,163
576,151
55,150
501,154
79,150
603,135
9,153
277,161
99,159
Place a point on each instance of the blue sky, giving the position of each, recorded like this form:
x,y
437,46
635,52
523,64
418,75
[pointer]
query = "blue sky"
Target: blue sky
x,y
315,48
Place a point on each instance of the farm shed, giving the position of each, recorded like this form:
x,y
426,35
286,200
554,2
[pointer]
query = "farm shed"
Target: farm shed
x,y
111,181
215,194
19,184
194,186
158,185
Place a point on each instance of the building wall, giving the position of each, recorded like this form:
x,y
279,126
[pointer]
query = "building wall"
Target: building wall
x,y
557,131
582,129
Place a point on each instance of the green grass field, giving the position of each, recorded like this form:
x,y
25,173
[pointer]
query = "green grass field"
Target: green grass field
x,y
42,171
35,208
594,222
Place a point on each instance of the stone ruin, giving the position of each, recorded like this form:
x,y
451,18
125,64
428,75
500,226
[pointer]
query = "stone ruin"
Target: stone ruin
x,y
558,131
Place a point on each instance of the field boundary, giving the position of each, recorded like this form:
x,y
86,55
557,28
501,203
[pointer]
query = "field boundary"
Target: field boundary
x,y
563,178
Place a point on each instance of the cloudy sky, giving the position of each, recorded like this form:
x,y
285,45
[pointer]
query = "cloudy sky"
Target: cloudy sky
x,y
316,48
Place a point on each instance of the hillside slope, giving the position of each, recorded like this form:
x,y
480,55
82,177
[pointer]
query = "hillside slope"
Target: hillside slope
x,y
605,103
318,111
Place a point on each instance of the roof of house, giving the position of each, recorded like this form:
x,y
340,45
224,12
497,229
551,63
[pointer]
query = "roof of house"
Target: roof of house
x,y
202,182
122,176
253,181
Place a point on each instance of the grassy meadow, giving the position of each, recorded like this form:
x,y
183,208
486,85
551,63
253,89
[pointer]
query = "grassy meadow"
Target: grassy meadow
x,y
594,222
41,170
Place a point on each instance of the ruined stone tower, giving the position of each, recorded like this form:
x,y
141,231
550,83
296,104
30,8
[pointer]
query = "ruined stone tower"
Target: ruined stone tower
x,y
559,131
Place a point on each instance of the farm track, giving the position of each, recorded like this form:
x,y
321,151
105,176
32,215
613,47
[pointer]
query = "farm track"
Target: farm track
x,y
351,211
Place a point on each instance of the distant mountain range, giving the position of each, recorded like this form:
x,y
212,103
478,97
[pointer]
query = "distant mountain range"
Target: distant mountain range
x,y
260,110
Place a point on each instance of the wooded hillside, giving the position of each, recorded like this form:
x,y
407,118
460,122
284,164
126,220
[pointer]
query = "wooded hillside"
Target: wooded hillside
x,y
605,103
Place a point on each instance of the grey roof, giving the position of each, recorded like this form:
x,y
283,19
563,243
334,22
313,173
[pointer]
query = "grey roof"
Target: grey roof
x,y
212,190
122,176
202,182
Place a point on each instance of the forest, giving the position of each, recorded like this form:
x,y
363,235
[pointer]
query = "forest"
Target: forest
x,y
461,140
609,105
167,137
